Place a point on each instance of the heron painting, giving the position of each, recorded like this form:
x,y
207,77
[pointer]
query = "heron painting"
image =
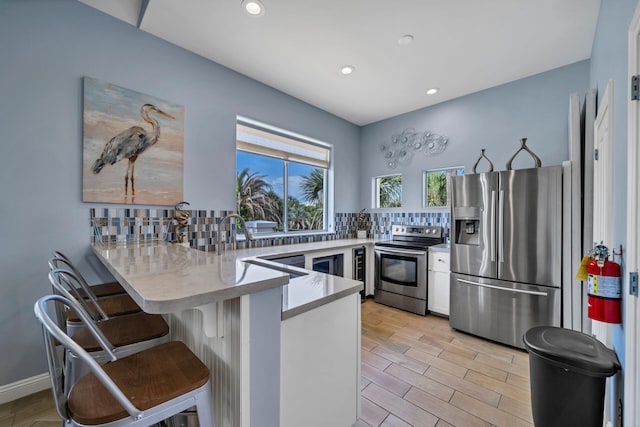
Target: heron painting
x,y
133,147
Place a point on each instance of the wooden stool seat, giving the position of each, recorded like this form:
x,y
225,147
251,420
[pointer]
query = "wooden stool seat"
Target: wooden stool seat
x,y
125,386
117,305
123,330
100,290
148,379
104,290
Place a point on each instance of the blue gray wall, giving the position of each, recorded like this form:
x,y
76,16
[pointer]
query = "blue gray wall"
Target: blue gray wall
x,y
609,62
46,47
535,107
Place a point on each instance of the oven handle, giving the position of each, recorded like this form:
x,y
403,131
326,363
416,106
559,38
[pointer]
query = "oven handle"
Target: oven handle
x,y
500,288
400,251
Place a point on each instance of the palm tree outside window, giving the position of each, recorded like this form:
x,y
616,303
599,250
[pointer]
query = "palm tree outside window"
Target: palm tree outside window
x,y
281,182
387,191
436,185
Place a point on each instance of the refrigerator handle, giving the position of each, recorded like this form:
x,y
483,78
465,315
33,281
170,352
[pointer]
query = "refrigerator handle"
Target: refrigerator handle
x,y
492,219
502,288
501,227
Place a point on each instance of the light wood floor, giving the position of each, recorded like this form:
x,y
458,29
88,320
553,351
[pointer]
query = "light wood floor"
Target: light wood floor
x,y
32,411
416,371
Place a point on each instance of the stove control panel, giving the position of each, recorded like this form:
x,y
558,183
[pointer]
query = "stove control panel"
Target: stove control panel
x,y
417,230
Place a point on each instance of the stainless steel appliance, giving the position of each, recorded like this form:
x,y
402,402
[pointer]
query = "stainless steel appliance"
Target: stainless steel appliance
x,y
360,268
331,264
401,267
506,252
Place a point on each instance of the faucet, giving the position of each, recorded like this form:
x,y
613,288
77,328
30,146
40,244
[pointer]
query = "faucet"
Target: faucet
x,y
247,233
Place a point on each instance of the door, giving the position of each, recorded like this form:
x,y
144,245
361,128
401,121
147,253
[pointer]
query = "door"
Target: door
x,y
473,224
602,203
530,226
632,308
603,170
603,188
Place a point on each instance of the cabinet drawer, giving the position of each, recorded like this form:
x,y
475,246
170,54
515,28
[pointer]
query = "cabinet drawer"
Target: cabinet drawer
x,y
439,261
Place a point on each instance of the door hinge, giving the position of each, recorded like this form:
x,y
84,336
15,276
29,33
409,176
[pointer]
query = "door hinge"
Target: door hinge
x,y
635,88
633,283
595,154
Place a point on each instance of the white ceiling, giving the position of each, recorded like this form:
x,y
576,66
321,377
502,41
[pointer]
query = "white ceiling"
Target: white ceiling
x,y
299,46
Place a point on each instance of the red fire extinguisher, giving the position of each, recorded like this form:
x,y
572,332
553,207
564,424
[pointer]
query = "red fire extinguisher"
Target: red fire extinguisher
x,y
604,287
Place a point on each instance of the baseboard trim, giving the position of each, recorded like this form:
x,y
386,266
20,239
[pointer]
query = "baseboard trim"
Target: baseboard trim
x,y
22,388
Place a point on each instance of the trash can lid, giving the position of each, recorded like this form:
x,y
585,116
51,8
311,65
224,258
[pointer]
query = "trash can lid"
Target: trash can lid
x,y
572,348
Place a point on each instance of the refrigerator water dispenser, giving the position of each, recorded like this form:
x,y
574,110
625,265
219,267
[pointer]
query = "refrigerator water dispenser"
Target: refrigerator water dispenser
x,y
467,226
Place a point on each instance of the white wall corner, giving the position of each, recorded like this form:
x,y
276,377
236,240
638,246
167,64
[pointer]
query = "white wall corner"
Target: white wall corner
x,y
22,388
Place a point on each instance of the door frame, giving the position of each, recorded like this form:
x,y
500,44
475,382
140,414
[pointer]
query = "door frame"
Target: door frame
x,y
631,410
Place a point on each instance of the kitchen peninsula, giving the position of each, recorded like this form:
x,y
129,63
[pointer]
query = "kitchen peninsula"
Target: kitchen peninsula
x,y
274,360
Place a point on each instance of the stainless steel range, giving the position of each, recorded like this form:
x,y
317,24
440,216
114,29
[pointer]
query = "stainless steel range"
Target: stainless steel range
x,y
401,267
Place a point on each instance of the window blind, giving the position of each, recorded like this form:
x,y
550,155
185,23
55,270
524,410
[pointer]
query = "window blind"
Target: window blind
x,y
258,141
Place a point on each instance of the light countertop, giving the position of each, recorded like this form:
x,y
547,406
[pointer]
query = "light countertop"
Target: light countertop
x,y
163,277
443,247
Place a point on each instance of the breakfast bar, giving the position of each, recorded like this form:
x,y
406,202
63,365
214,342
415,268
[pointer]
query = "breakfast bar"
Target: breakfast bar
x,y
263,328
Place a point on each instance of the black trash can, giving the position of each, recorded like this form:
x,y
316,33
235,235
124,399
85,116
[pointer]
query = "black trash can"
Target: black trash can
x,y
568,376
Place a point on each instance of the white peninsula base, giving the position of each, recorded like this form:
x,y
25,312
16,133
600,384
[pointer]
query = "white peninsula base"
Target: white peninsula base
x,y
320,366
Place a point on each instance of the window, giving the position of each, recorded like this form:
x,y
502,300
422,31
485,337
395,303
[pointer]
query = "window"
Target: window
x,y
436,186
282,180
387,191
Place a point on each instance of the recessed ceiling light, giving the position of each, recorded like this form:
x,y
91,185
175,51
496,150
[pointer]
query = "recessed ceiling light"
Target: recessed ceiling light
x,y
433,91
347,69
405,40
253,7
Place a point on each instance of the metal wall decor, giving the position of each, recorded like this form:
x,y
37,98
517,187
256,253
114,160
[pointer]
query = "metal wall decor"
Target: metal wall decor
x,y
482,156
523,146
403,146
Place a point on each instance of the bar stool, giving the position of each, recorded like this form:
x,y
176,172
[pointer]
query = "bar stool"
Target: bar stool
x,y
162,381
123,335
85,290
98,308
99,290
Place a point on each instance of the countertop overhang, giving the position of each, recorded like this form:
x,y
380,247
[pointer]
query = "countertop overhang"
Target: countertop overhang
x,y
165,277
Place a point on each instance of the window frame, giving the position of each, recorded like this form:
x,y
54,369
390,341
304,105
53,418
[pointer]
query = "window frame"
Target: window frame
x,y
328,187
375,191
425,184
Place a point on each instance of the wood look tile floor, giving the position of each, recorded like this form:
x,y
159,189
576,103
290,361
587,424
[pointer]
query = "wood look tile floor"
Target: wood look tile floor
x,y
416,371
36,410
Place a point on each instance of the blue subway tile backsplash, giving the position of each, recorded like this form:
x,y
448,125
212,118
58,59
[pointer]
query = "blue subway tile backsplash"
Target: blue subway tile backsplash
x,y
122,225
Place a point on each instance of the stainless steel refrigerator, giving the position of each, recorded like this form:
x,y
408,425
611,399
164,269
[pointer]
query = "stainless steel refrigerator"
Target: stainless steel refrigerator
x,y
506,252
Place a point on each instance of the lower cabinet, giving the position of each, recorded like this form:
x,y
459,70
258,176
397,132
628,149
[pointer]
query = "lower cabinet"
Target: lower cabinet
x,y
438,285
320,366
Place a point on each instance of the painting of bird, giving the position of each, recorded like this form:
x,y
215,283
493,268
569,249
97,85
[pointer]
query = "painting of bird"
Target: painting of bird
x,y
129,144
135,136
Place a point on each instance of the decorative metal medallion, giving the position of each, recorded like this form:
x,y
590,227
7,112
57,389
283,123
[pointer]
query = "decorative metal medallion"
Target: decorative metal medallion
x,y
403,146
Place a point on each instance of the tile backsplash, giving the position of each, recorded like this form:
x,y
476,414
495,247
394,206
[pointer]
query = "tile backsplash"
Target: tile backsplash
x,y
124,224
378,224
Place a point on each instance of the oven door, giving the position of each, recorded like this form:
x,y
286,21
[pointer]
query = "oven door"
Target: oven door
x,y
401,271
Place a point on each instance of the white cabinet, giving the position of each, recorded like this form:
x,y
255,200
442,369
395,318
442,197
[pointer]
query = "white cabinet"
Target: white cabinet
x,y
320,366
438,286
